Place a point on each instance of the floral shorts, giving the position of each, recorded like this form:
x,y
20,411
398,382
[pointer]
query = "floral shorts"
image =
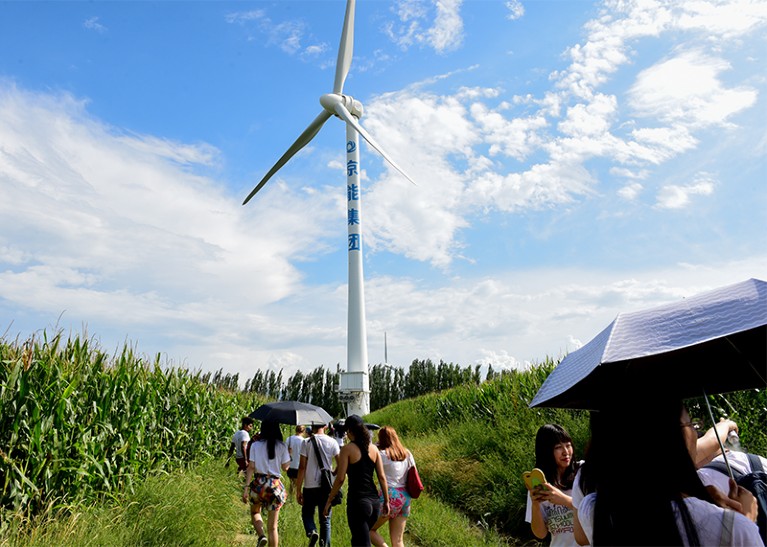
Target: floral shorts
x,y
399,502
267,491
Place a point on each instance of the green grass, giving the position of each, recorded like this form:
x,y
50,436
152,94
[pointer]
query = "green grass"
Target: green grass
x,y
187,507
201,506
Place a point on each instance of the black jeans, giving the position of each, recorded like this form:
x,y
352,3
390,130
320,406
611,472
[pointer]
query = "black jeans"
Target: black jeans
x,y
314,499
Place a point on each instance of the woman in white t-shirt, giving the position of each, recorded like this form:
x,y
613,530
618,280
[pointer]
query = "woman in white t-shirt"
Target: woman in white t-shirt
x,y
396,460
267,459
665,502
550,506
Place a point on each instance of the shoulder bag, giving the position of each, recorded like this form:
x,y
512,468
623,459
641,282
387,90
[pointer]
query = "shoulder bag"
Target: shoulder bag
x,y
326,477
414,485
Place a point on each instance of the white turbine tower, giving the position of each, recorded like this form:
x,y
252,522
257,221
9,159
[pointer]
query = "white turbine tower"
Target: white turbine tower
x,y
354,388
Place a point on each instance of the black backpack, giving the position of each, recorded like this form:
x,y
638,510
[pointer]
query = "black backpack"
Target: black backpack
x,y
755,482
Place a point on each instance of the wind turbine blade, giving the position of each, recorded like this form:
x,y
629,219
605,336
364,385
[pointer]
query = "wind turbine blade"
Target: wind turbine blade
x,y
345,49
345,115
308,134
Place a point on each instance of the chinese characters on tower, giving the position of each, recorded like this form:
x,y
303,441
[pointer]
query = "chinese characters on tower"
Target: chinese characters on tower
x,y
352,197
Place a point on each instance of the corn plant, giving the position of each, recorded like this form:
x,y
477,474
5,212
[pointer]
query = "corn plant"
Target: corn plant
x,y
76,423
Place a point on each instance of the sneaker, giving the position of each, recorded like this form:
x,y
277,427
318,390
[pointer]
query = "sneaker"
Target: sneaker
x,y
262,541
314,537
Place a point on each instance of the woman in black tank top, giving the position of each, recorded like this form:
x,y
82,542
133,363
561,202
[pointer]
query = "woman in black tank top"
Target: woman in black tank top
x,y
358,459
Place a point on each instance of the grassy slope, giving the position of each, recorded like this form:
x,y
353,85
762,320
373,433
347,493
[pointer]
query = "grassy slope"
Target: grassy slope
x,y
473,443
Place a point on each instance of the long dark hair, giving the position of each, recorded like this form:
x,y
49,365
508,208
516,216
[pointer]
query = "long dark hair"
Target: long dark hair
x,y
622,518
271,433
546,439
356,427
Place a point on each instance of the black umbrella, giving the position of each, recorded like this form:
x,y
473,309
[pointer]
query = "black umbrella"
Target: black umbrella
x,y
291,412
713,342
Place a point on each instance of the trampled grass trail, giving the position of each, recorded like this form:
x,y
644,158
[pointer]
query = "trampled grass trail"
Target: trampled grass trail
x,y
432,524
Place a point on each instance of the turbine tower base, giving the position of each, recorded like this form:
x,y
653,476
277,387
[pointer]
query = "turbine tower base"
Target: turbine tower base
x,y
354,393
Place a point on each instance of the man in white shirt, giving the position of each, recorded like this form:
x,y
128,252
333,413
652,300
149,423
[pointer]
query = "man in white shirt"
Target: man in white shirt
x,y
239,445
313,496
295,442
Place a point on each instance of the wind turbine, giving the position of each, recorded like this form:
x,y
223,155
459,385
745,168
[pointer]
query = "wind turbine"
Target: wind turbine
x,y
354,387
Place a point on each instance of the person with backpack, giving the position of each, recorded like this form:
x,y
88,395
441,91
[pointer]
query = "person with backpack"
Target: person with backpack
x,y
310,494
749,472
668,504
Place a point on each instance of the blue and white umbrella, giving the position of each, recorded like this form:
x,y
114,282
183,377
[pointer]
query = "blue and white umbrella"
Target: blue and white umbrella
x,y
714,342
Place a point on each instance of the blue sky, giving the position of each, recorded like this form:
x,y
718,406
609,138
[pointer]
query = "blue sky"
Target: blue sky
x,y
573,160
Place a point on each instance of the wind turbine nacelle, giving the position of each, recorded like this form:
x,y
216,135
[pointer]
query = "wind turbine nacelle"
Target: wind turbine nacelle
x,y
330,100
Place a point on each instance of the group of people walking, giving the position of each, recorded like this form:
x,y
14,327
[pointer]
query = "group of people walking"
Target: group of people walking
x,y
650,477
368,507
643,481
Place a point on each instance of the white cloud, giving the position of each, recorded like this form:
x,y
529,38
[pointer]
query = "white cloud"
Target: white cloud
x,y
723,20
516,9
508,318
499,360
630,191
123,229
687,88
476,145
539,186
515,137
118,229
573,343
92,23
242,17
621,23
98,227
590,119
290,35
445,34
315,50
419,221
628,173
675,196
658,144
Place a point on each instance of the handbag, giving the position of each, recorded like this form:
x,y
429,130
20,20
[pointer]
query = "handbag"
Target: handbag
x,y
414,485
326,477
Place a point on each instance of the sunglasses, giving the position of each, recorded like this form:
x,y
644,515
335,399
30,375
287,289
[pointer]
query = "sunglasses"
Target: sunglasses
x,y
697,425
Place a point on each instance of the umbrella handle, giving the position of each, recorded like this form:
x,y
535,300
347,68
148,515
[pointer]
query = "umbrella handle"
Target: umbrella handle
x,y
721,445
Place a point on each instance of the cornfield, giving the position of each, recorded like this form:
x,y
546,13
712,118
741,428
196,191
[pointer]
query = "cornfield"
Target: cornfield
x,y
76,424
